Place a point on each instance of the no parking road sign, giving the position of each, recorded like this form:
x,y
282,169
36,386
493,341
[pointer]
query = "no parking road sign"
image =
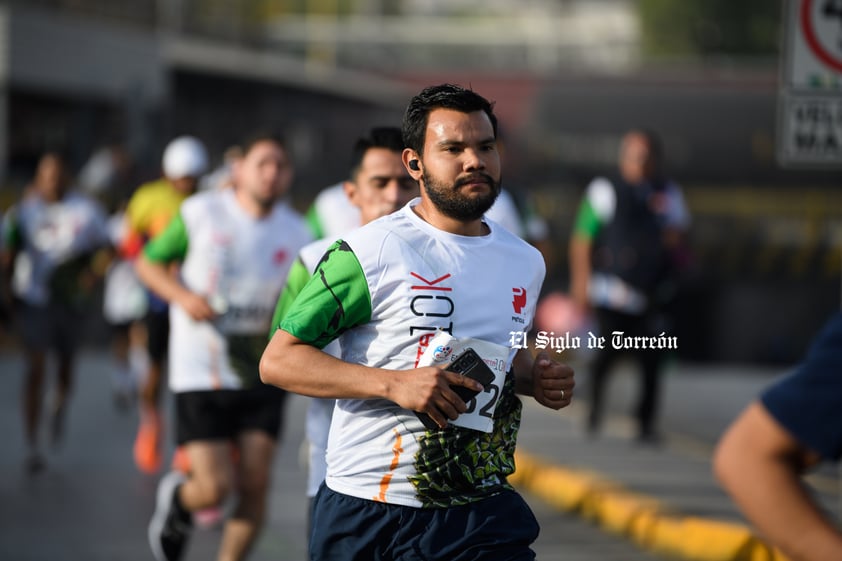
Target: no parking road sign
x,y
810,108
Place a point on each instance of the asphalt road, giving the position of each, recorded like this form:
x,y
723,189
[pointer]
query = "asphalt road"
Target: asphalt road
x,y
92,504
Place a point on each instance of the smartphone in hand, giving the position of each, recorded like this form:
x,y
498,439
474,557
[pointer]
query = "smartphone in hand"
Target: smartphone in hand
x,y
472,366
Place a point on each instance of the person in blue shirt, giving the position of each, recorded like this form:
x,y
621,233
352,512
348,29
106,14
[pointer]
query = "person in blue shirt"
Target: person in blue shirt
x,y
793,425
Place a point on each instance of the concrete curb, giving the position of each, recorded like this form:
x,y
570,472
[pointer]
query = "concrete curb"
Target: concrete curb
x,y
642,519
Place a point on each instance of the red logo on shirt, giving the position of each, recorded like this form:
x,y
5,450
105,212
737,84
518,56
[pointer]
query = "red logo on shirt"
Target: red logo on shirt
x,y
519,299
280,256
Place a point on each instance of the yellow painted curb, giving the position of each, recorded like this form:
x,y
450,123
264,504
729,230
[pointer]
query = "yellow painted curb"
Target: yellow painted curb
x,y
640,518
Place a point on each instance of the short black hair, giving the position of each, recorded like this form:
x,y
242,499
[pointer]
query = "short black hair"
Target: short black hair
x,y
443,96
377,137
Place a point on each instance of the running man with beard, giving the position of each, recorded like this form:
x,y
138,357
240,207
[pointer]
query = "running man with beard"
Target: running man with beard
x,y
404,295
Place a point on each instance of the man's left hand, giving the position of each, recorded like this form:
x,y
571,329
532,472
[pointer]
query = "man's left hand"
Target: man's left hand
x,y
552,382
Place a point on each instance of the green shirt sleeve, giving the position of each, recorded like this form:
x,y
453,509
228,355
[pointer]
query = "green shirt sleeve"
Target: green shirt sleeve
x,y
587,224
296,280
334,300
169,245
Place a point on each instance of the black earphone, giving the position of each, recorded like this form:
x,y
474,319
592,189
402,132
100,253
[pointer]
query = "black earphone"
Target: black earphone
x,y
413,165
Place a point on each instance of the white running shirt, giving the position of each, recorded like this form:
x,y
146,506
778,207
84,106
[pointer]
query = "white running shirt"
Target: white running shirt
x,y
386,290
51,234
241,264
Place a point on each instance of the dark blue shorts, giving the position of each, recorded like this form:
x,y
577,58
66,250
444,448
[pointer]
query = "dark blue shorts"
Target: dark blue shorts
x,y
500,528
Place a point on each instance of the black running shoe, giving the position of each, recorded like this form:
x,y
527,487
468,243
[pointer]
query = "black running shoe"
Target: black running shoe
x,y
170,526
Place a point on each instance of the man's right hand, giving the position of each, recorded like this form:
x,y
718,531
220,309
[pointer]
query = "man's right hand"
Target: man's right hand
x,y
427,390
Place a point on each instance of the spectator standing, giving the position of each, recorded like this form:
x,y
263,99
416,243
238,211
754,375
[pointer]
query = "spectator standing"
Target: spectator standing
x,y
623,255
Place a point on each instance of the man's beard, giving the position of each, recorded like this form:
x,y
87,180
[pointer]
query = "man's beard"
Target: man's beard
x,y
450,202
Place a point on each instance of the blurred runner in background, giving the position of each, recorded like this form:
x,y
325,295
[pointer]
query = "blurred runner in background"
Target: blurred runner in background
x,y
51,255
379,185
149,211
235,247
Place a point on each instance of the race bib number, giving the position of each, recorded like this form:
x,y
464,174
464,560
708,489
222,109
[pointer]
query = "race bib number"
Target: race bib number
x,y
246,307
444,348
